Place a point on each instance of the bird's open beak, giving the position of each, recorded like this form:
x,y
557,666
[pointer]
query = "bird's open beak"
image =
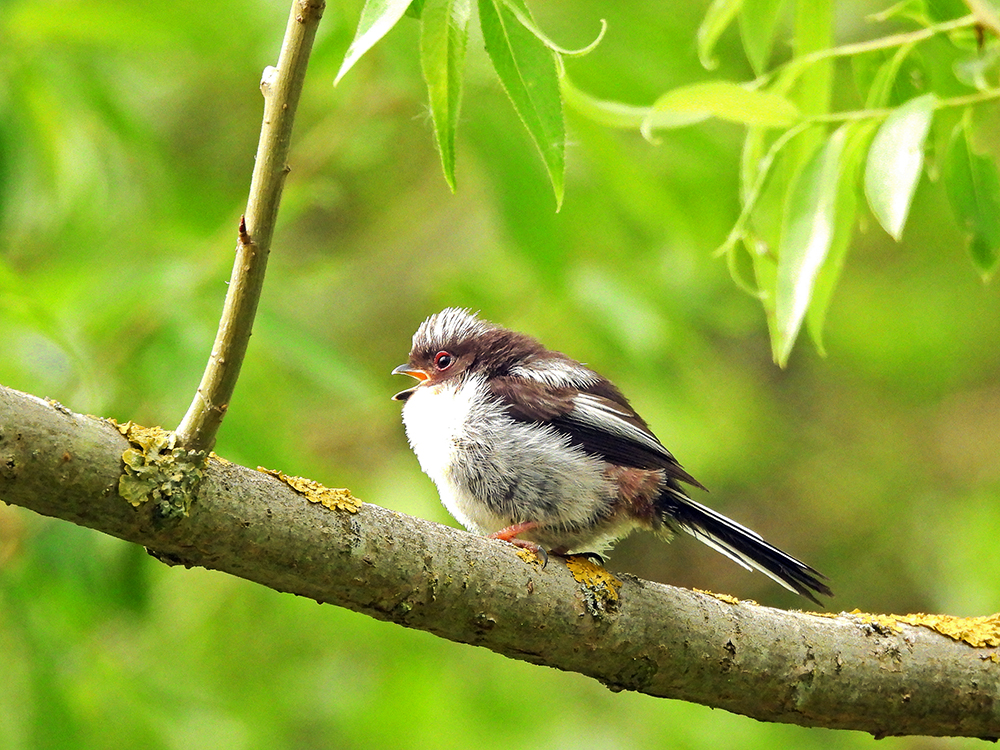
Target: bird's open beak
x,y
413,372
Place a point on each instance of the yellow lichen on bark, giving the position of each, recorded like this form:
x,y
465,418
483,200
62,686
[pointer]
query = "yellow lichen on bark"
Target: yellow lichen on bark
x,y
156,468
599,587
530,556
314,492
727,598
979,632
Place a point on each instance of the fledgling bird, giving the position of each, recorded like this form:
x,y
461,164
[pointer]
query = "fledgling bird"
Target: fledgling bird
x,y
532,447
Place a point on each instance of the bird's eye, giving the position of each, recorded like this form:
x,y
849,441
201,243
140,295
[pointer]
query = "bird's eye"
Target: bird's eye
x,y
443,360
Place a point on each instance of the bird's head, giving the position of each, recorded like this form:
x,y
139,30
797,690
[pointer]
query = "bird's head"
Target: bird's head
x,y
454,343
444,348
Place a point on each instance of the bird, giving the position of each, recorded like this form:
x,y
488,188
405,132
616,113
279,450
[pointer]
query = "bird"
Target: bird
x,y
529,446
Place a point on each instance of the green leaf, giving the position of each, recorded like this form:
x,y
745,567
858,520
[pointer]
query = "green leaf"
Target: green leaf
x,y
754,147
763,188
757,21
655,119
722,99
899,79
895,161
520,12
813,90
973,186
610,114
377,17
977,69
858,139
876,74
527,70
444,31
765,275
769,192
717,19
808,230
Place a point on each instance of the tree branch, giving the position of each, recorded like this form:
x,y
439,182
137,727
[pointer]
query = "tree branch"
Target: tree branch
x,y
846,671
281,87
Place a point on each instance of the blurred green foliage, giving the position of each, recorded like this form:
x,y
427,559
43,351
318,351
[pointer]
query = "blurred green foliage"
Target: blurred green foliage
x,y
126,143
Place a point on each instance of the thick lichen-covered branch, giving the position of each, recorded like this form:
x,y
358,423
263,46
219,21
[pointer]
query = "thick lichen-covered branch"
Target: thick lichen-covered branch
x,y
281,87
879,674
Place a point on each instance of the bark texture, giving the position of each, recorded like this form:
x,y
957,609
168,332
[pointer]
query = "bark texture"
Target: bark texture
x,y
844,671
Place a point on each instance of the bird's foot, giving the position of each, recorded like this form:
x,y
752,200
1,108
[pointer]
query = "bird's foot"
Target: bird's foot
x,y
510,535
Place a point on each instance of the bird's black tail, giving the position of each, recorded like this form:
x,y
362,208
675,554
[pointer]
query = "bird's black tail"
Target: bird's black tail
x,y
742,545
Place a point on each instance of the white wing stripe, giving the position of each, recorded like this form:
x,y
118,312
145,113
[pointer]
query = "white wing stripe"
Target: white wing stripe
x,y
596,412
558,373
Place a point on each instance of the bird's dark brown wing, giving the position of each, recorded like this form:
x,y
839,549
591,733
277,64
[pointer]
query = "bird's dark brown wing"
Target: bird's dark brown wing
x,y
595,416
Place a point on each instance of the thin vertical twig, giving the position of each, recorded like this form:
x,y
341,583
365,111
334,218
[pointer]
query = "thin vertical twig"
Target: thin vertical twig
x,y
281,88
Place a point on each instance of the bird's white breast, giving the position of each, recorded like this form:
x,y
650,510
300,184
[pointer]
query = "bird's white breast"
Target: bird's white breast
x,y
434,417
436,420
492,471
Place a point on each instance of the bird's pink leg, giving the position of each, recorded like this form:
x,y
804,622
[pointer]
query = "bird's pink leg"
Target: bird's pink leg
x,y
510,534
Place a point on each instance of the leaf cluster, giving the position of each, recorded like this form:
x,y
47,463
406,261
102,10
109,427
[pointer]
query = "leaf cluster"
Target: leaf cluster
x,y
809,163
804,182
525,60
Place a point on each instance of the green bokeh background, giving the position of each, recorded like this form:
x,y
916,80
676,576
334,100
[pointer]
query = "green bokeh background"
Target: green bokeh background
x,y
127,136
